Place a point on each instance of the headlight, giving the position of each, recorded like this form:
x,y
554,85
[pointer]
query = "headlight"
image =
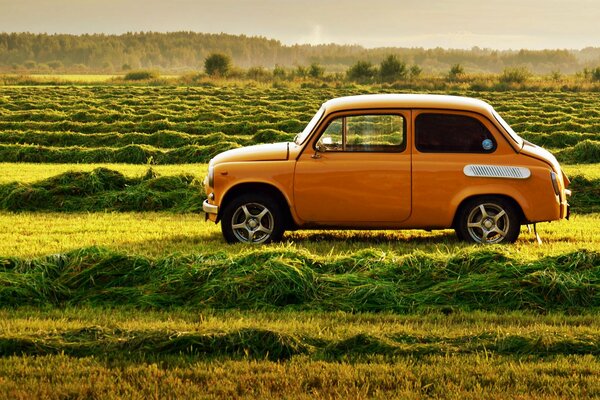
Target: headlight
x,y
211,176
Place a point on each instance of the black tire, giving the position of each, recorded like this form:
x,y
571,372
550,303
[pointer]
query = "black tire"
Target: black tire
x,y
262,220
488,220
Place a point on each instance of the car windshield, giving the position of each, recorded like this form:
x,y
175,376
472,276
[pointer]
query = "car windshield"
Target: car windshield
x,y
301,137
507,128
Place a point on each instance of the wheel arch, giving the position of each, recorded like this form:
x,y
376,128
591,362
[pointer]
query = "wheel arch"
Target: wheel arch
x,y
262,188
522,218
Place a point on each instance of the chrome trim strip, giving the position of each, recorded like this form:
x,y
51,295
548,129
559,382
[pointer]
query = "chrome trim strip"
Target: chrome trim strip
x,y
210,208
496,171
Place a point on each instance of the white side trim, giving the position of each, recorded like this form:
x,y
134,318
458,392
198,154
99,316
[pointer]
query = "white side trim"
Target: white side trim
x,y
496,171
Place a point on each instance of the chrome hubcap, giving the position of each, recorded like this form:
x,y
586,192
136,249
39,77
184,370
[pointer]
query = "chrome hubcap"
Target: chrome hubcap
x,y
488,223
252,223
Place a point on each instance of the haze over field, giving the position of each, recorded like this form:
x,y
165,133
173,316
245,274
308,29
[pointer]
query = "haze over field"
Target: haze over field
x,y
507,24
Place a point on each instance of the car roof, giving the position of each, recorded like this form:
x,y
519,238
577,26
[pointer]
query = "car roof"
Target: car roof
x,y
447,102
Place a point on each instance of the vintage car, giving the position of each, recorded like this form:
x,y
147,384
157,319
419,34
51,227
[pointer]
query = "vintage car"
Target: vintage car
x,y
389,161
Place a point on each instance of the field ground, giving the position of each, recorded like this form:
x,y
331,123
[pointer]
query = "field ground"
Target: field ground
x,y
147,304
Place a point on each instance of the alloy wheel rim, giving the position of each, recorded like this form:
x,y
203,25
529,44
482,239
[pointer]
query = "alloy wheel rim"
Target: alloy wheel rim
x,y
488,223
252,223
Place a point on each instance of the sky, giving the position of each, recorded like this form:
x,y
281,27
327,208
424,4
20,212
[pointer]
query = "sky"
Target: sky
x,y
507,24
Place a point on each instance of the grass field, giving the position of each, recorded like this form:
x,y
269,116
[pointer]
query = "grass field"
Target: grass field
x,y
109,274
189,354
173,125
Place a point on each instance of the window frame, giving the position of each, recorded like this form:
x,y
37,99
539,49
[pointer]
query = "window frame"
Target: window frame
x,y
351,113
452,113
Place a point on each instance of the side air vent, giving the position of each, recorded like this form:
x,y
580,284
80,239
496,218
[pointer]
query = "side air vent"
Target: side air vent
x,y
497,171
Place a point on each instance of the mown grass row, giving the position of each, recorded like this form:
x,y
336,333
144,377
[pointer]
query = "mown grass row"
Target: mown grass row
x,y
257,343
169,118
160,139
130,154
104,189
363,281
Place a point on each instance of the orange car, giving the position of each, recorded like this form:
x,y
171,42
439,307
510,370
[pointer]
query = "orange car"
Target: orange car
x,y
392,161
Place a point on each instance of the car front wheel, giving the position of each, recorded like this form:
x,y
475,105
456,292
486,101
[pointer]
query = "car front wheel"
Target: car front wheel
x,y
489,220
252,219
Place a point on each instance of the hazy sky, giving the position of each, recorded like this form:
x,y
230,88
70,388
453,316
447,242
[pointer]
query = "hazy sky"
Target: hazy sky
x,y
372,23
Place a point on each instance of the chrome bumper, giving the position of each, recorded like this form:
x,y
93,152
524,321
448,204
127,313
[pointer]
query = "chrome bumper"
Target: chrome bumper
x,y
210,208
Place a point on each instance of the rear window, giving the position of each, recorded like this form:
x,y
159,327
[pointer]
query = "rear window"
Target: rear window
x,y
449,133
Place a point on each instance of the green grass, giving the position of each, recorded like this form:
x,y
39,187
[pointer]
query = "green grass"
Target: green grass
x,y
155,234
363,281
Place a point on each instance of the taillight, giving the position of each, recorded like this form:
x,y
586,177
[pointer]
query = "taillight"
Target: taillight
x,y
555,183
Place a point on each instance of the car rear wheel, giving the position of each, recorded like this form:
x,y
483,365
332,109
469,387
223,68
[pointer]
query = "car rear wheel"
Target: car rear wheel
x,y
488,220
252,219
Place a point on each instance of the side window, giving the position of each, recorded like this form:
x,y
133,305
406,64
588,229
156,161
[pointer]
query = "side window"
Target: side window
x,y
448,133
360,133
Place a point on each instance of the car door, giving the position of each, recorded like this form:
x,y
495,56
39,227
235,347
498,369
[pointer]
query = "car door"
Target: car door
x,y
356,170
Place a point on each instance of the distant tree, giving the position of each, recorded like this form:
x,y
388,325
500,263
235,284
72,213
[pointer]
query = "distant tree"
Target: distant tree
x,y
392,69
456,72
361,71
415,71
595,74
316,71
125,67
217,64
29,64
515,75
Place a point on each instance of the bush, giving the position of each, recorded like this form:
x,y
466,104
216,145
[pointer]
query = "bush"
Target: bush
x,y
391,69
316,71
258,74
595,74
515,75
415,71
141,75
279,72
456,72
362,71
217,64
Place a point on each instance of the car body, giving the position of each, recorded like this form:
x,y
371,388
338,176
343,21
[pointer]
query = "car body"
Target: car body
x,y
390,161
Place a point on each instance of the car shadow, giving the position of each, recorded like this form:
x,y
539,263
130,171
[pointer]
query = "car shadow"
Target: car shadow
x,y
373,237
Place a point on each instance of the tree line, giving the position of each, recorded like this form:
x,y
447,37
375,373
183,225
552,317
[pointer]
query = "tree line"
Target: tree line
x,y
186,51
